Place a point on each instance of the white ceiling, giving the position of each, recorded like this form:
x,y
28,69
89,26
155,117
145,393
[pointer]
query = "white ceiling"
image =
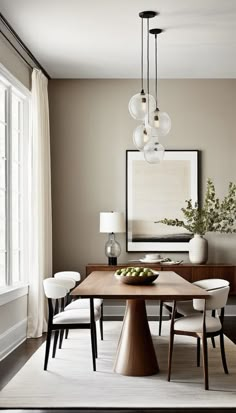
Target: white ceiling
x,y
101,38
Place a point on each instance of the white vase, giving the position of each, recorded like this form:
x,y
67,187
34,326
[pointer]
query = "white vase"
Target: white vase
x,y
198,249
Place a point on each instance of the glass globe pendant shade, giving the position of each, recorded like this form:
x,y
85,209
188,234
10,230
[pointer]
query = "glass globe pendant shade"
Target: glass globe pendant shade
x,y
159,122
140,137
154,151
140,104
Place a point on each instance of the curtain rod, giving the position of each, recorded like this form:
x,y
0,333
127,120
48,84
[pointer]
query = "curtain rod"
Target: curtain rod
x,y
22,45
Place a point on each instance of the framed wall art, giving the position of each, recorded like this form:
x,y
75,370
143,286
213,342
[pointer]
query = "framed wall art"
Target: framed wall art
x,y
155,192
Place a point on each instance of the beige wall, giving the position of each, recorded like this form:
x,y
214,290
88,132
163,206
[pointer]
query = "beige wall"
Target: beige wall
x,y
90,132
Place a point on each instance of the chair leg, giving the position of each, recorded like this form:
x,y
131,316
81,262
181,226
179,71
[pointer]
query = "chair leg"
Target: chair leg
x,y
205,362
93,332
213,342
61,338
171,345
198,351
213,314
55,343
49,334
93,348
67,333
101,322
160,317
95,339
222,349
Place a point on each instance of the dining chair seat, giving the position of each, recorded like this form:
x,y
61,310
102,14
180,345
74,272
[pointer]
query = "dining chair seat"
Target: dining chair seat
x,y
75,316
194,323
83,303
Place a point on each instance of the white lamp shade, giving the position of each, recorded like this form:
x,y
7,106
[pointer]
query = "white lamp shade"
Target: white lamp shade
x,y
112,222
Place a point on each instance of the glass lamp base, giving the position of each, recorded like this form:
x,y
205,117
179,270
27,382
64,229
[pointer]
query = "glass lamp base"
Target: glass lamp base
x,y
112,249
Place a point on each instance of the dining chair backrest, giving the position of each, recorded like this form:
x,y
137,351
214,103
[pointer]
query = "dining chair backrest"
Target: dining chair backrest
x,y
74,275
53,290
66,282
212,283
217,299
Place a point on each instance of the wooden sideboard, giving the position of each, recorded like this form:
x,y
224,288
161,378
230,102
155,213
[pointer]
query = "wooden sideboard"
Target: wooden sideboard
x,y
191,272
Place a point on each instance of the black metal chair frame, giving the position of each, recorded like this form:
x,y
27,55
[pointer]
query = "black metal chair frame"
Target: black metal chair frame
x,y
55,309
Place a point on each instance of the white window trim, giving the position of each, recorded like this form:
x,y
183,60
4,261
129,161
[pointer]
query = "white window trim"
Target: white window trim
x,y
14,81
10,293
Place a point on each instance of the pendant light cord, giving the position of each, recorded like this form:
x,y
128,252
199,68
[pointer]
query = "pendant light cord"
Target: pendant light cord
x,y
148,56
142,54
148,68
156,70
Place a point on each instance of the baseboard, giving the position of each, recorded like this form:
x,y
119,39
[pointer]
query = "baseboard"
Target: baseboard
x,y
119,310
12,338
115,311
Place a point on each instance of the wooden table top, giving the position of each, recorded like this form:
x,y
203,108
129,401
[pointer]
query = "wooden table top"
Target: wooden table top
x,y
169,285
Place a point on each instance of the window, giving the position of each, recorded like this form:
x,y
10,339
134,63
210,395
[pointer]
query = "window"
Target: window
x,y
14,137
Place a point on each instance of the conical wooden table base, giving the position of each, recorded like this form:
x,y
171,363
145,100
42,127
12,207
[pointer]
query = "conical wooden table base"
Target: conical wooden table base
x,y
135,353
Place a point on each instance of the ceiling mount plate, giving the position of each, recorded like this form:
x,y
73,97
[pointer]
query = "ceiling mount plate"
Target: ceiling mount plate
x,y
148,14
156,31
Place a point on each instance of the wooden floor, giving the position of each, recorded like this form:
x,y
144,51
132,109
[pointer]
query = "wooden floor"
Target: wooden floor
x,y
15,361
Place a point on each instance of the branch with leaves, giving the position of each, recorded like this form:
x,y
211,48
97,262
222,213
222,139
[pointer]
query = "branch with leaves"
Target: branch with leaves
x,y
214,216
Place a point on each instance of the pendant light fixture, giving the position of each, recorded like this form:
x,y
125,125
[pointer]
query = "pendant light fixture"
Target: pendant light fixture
x,y
157,123
154,151
143,106
141,103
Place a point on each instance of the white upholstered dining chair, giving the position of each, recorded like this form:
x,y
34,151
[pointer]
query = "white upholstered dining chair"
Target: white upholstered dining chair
x,y
58,319
185,308
202,325
81,303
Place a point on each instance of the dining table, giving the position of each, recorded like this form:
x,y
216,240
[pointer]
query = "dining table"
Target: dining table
x,y
135,355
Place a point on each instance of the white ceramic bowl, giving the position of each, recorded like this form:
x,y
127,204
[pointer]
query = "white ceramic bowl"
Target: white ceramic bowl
x,y
152,256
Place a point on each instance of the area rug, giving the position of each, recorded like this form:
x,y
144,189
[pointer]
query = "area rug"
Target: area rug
x,y
71,383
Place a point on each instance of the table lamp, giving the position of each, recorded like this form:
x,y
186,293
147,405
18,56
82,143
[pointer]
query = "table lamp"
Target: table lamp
x,y
112,222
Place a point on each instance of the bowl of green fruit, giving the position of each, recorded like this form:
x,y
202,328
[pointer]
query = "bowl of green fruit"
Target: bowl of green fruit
x,y
136,275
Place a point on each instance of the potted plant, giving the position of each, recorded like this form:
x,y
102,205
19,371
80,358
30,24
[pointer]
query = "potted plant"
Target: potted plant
x,y
213,216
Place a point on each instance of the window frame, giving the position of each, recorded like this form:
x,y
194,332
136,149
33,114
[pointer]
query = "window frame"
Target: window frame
x,y
17,88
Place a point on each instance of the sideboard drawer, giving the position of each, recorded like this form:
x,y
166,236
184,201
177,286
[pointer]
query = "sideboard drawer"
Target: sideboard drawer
x,y
185,272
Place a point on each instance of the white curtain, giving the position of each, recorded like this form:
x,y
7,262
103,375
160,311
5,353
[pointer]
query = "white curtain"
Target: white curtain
x,y
40,219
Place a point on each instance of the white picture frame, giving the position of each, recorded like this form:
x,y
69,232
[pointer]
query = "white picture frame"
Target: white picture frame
x,y
158,191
